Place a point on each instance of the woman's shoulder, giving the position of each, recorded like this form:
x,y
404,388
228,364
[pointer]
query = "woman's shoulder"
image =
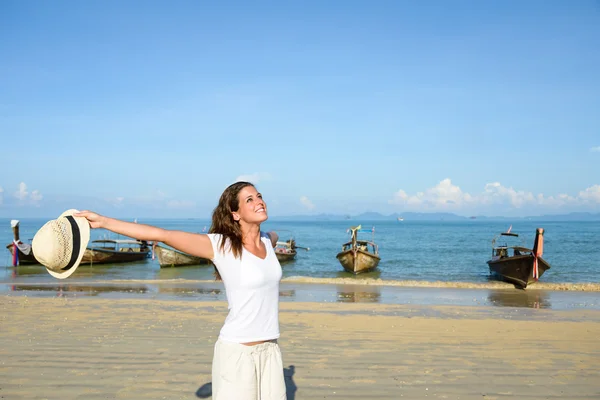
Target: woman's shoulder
x,y
218,239
215,237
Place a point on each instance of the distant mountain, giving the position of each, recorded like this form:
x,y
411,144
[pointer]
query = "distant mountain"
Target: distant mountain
x,y
575,216
416,216
409,216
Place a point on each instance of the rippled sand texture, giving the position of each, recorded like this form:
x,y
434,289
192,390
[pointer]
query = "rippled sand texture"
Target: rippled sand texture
x,y
89,348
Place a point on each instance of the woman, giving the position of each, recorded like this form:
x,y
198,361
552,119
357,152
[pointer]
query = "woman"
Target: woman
x,y
247,361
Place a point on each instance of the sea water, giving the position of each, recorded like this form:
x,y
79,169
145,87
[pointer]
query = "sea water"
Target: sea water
x,y
423,251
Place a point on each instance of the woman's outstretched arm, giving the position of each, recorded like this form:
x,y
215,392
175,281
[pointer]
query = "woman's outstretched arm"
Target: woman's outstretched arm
x,y
192,243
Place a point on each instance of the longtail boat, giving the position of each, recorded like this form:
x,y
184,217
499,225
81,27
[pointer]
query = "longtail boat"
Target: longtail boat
x,y
105,251
517,264
21,252
286,250
359,256
173,258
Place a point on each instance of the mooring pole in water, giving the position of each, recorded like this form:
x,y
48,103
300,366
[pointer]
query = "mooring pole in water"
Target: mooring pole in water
x,y
15,228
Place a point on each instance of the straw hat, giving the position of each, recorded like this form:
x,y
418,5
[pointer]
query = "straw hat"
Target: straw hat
x,y
59,244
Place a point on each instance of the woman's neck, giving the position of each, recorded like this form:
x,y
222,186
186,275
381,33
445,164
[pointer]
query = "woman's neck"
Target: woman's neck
x,y
251,234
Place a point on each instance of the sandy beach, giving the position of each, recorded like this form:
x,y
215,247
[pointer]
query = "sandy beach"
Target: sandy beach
x,y
95,348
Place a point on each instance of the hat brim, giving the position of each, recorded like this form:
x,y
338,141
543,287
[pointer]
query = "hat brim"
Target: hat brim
x,y
84,231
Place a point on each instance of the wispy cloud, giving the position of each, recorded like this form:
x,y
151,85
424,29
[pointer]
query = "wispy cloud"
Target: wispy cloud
x,y
591,194
24,197
446,196
254,178
36,196
595,149
22,193
1,195
305,201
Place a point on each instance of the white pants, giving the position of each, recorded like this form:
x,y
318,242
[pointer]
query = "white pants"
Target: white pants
x,y
241,372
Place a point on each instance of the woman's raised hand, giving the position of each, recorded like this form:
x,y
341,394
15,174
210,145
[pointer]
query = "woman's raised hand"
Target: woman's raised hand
x,y
95,220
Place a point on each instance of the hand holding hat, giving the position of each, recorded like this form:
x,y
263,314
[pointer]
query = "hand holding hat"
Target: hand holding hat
x,y
95,220
59,244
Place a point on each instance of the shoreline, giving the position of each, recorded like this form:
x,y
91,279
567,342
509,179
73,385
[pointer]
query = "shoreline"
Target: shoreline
x,y
97,348
497,295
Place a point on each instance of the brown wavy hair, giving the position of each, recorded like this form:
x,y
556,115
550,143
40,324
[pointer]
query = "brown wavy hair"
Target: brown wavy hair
x,y
223,222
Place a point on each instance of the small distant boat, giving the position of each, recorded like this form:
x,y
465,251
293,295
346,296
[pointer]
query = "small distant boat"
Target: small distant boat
x,y
21,252
286,250
359,256
400,219
105,251
524,266
174,258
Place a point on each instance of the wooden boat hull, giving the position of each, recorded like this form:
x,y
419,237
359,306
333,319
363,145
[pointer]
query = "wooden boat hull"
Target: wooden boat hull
x,y
24,259
173,258
287,256
517,269
106,256
358,262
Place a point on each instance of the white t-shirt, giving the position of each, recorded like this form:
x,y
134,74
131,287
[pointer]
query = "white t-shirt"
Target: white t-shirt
x,y
252,289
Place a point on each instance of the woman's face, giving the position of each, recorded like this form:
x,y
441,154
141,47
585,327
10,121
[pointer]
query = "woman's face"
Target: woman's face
x,y
252,208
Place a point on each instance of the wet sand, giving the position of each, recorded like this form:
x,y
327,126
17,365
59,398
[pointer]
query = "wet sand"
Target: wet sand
x,y
124,348
497,294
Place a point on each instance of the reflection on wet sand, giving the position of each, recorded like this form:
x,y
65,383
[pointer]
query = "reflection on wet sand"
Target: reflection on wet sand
x,y
519,298
287,293
358,295
61,289
187,291
90,290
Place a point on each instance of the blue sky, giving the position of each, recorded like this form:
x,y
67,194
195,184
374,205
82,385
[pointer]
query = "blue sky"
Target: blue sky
x,y
151,108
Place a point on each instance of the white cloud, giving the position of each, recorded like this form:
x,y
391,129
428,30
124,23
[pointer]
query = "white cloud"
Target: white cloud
x,y
253,178
595,149
36,197
24,197
495,193
444,195
307,203
22,193
447,196
591,194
